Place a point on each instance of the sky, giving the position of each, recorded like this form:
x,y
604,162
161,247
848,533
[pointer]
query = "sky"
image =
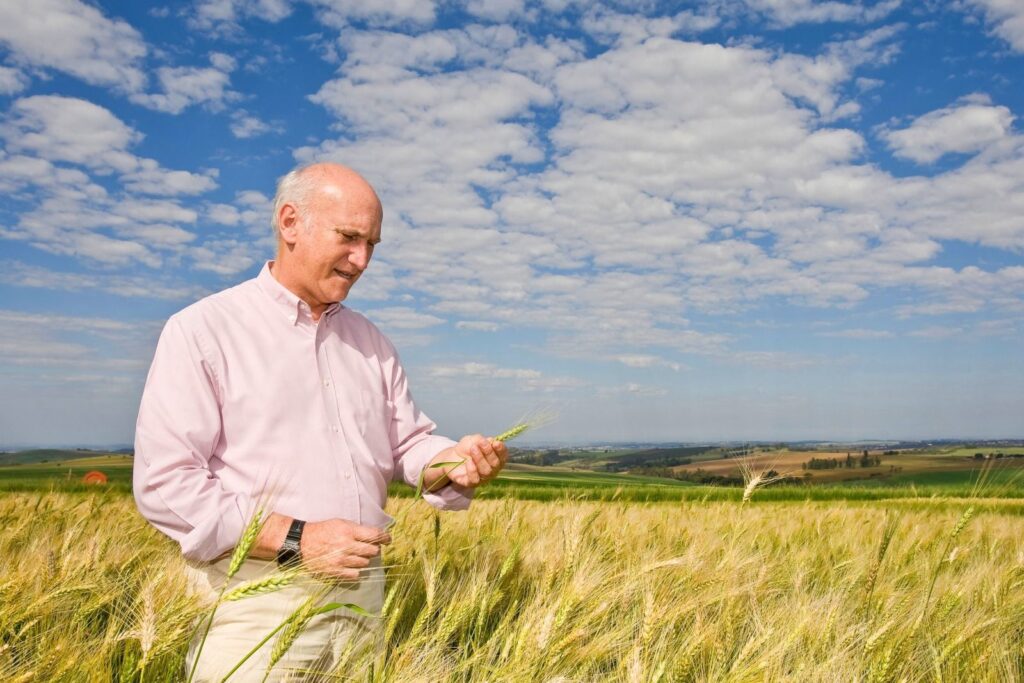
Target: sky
x,y
730,220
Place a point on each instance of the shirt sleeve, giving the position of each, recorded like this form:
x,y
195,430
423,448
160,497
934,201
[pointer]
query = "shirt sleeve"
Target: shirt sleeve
x,y
176,433
414,444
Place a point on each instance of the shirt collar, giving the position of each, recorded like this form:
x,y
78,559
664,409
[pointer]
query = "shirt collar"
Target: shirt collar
x,y
290,305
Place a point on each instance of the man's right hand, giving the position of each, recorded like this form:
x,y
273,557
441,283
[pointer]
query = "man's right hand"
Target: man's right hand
x,y
339,549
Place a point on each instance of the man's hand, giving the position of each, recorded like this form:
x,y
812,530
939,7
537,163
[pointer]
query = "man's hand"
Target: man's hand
x,y
339,549
477,461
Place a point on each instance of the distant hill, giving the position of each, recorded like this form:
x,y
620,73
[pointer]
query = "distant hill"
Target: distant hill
x,y
661,457
38,455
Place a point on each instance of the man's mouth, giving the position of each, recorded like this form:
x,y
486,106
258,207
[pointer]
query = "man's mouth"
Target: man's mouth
x,y
347,276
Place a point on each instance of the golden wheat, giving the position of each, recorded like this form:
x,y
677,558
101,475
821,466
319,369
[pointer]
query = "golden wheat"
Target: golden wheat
x,y
526,591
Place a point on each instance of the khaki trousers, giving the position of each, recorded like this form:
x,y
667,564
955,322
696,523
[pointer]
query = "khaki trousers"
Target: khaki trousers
x,y
238,626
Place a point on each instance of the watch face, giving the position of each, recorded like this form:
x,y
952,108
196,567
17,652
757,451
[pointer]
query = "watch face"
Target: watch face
x,y
289,553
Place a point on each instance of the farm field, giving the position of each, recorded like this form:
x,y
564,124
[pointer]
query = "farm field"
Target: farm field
x,y
898,469
565,591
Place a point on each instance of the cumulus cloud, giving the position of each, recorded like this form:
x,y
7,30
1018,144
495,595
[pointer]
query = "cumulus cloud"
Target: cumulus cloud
x,y
244,125
610,26
495,10
224,16
184,86
16,273
69,129
12,81
483,370
792,12
64,156
66,129
477,325
1006,18
402,318
967,126
75,38
858,333
677,177
381,13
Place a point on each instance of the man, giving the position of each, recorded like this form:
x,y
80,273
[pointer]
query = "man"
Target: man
x,y
273,394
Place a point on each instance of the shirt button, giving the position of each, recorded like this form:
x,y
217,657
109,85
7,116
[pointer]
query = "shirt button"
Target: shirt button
x,y
334,429
348,475
327,382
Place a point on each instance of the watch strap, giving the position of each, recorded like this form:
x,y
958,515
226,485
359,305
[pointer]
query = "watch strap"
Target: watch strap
x,y
289,552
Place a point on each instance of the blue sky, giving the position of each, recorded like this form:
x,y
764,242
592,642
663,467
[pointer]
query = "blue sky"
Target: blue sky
x,y
741,219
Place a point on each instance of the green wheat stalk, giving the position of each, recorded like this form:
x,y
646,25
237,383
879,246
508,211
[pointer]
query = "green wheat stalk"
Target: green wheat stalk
x,y
242,549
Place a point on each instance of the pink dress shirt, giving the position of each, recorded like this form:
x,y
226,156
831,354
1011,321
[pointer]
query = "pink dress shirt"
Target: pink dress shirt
x,y
248,401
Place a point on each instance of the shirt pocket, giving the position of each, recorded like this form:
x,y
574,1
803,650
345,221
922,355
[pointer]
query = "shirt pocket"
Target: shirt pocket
x,y
374,415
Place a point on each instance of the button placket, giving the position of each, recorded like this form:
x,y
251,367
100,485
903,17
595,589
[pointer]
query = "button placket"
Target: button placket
x,y
344,463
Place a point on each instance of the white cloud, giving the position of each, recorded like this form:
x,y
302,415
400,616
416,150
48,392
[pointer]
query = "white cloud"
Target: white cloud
x,y
858,333
150,178
12,81
383,13
634,390
19,274
69,129
73,214
1006,18
402,318
224,15
482,370
967,126
937,332
614,27
245,125
223,256
75,38
184,86
792,12
495,10
477,326
640,360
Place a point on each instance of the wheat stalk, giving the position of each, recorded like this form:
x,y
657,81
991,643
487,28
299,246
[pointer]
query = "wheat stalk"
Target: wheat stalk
x,y
261,586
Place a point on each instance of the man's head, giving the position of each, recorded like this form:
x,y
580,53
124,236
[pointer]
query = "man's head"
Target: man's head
x,y
327,220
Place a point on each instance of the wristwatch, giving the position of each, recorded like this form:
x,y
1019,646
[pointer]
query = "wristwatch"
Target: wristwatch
x,y
288,553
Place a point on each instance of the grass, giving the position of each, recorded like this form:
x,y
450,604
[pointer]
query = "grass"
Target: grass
x,y
565,591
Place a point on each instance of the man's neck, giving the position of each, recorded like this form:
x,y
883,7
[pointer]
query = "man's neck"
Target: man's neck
x,y
280,274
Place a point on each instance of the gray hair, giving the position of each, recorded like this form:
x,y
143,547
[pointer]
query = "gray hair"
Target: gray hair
x,y
293,188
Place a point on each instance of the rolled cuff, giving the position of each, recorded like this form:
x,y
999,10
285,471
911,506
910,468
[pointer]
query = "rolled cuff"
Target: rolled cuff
x,y
215,536
449,497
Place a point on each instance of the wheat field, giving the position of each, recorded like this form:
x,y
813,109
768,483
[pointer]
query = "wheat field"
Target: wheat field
x,y
563,591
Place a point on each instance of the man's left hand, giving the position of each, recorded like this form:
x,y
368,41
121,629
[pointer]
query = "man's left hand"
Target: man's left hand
x,y
476,460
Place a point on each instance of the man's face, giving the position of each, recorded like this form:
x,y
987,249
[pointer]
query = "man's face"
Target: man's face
x,y
334,242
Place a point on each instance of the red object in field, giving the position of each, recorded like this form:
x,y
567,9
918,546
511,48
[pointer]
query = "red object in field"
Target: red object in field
x,y
94,477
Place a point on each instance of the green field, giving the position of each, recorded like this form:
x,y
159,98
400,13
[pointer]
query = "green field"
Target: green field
x,y
969,451
998,482
67,475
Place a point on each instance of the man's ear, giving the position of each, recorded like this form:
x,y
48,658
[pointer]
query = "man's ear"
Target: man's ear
x,y
288,223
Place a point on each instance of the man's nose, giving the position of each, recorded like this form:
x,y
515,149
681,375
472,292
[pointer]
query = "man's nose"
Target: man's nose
x,y
360,256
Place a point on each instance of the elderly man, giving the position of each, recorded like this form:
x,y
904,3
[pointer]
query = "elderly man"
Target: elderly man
x,y
273,394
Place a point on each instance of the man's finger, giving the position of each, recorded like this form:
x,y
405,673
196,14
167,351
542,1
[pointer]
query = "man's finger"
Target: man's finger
x,y
483,465
492,458
370,534
346,574
355,562
502,452
363,549
471,476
